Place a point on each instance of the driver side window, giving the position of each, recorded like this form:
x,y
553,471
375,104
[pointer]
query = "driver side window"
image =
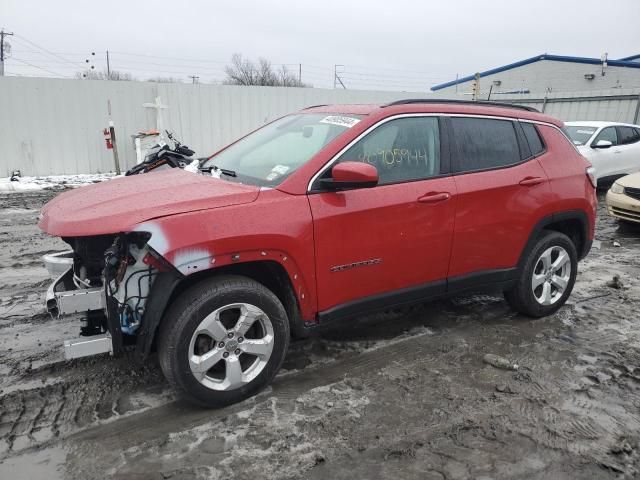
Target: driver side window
x,y
609,134
402,150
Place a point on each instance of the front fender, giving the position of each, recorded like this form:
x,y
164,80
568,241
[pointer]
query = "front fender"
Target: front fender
x,y
277,227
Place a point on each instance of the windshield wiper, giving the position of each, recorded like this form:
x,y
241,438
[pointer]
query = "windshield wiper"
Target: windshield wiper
x,y
224,171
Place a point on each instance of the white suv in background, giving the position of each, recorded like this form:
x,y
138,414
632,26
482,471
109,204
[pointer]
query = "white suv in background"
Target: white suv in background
x,y
612,148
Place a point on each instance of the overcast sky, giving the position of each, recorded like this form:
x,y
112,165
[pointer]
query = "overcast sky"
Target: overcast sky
x,y
390,44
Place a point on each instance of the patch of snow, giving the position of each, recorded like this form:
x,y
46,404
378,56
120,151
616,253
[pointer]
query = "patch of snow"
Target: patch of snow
x,y
193,167
52,182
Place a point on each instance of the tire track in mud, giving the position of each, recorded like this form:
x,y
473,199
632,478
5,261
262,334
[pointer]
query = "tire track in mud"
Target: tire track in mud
x,y
83,393
560,406
179,415
79,397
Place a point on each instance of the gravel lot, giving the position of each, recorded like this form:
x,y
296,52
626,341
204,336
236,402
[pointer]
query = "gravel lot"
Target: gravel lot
x,y
397,395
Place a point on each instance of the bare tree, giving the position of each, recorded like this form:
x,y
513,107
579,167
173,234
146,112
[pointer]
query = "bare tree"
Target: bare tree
x,y
104,75
245,72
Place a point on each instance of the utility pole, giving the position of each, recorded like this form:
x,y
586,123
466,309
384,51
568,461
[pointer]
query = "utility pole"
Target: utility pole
x,y
194,78
2,35
300,73
108,67
336,77
475,87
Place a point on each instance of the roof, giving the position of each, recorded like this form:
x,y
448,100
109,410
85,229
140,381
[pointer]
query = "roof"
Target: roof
x,y
443,106
353,109
632,58
631,62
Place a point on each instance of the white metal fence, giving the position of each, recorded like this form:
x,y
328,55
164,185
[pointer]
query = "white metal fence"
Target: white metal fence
x,y
614,105
54,126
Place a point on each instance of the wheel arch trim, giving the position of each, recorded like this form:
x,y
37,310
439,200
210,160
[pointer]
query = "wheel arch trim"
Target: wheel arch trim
x,y
579,216
293,294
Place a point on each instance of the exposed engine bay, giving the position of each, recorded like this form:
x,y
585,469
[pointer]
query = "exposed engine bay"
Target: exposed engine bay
x,y
109,280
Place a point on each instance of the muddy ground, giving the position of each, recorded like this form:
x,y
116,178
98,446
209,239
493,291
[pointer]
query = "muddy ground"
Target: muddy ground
x,y
400,395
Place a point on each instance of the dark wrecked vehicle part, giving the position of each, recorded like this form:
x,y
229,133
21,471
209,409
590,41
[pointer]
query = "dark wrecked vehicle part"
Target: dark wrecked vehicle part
x,y
163,156
109,280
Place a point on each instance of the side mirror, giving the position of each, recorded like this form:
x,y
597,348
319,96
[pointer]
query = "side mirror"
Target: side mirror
x,y
602,144
347,175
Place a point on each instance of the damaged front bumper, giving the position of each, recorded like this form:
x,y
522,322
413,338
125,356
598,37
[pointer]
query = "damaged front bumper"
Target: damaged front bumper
x,y
108,282
63,298
58,263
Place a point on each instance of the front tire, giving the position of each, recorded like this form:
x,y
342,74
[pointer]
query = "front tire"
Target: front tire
x,y
223,340
547,277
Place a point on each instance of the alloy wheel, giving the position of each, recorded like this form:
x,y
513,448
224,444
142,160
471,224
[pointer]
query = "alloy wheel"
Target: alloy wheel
x,y
231,346
551,275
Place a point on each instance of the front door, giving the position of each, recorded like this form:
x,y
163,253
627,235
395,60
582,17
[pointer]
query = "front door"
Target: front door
x,y
390,243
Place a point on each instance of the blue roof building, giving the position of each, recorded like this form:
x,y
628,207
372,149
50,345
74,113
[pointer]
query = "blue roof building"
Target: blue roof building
x,y
550,73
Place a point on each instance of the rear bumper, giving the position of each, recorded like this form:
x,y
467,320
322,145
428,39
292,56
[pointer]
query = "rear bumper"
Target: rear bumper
x,y
622,206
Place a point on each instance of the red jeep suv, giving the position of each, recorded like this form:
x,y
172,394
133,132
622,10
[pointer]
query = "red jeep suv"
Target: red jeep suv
x,y
328,213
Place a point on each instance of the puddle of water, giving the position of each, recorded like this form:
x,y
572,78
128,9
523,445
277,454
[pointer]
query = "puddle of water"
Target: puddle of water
x,y
17,211
47,463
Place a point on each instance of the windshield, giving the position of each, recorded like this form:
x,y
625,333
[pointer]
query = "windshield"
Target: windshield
x,y
269,155
580,134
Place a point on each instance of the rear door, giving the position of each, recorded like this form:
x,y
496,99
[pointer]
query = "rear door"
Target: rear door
x,y
501,193
629,149
390,243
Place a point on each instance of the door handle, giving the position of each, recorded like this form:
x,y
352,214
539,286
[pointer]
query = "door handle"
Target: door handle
x,y
530,181
616,151
434,197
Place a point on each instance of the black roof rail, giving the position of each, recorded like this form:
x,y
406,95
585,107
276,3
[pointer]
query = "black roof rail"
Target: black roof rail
x,y
314,106
485,103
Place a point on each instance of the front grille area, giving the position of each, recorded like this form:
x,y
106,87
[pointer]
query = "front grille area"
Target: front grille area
x,y
632,192
624,213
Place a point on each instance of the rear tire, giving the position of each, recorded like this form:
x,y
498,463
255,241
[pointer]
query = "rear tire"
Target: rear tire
x,y
547,277
223,340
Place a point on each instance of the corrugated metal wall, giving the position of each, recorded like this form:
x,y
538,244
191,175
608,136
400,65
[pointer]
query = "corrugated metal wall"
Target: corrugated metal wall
x,y
54,126
614,105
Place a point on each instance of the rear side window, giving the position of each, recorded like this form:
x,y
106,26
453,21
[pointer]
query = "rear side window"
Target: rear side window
x,y
484,143
628,135
533,138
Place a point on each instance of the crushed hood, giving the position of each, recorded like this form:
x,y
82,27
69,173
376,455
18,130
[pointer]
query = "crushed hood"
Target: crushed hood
x,y
118,205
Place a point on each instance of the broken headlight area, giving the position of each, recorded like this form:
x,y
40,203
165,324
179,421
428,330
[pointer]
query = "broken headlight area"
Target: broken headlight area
x,y
108,280
128,277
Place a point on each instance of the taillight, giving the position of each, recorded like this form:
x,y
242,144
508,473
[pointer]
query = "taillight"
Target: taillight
x,y
591,173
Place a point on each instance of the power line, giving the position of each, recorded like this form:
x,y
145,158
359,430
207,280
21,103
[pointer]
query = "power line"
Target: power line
x,y
353,70
39,68
171,58
75,64
356,75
